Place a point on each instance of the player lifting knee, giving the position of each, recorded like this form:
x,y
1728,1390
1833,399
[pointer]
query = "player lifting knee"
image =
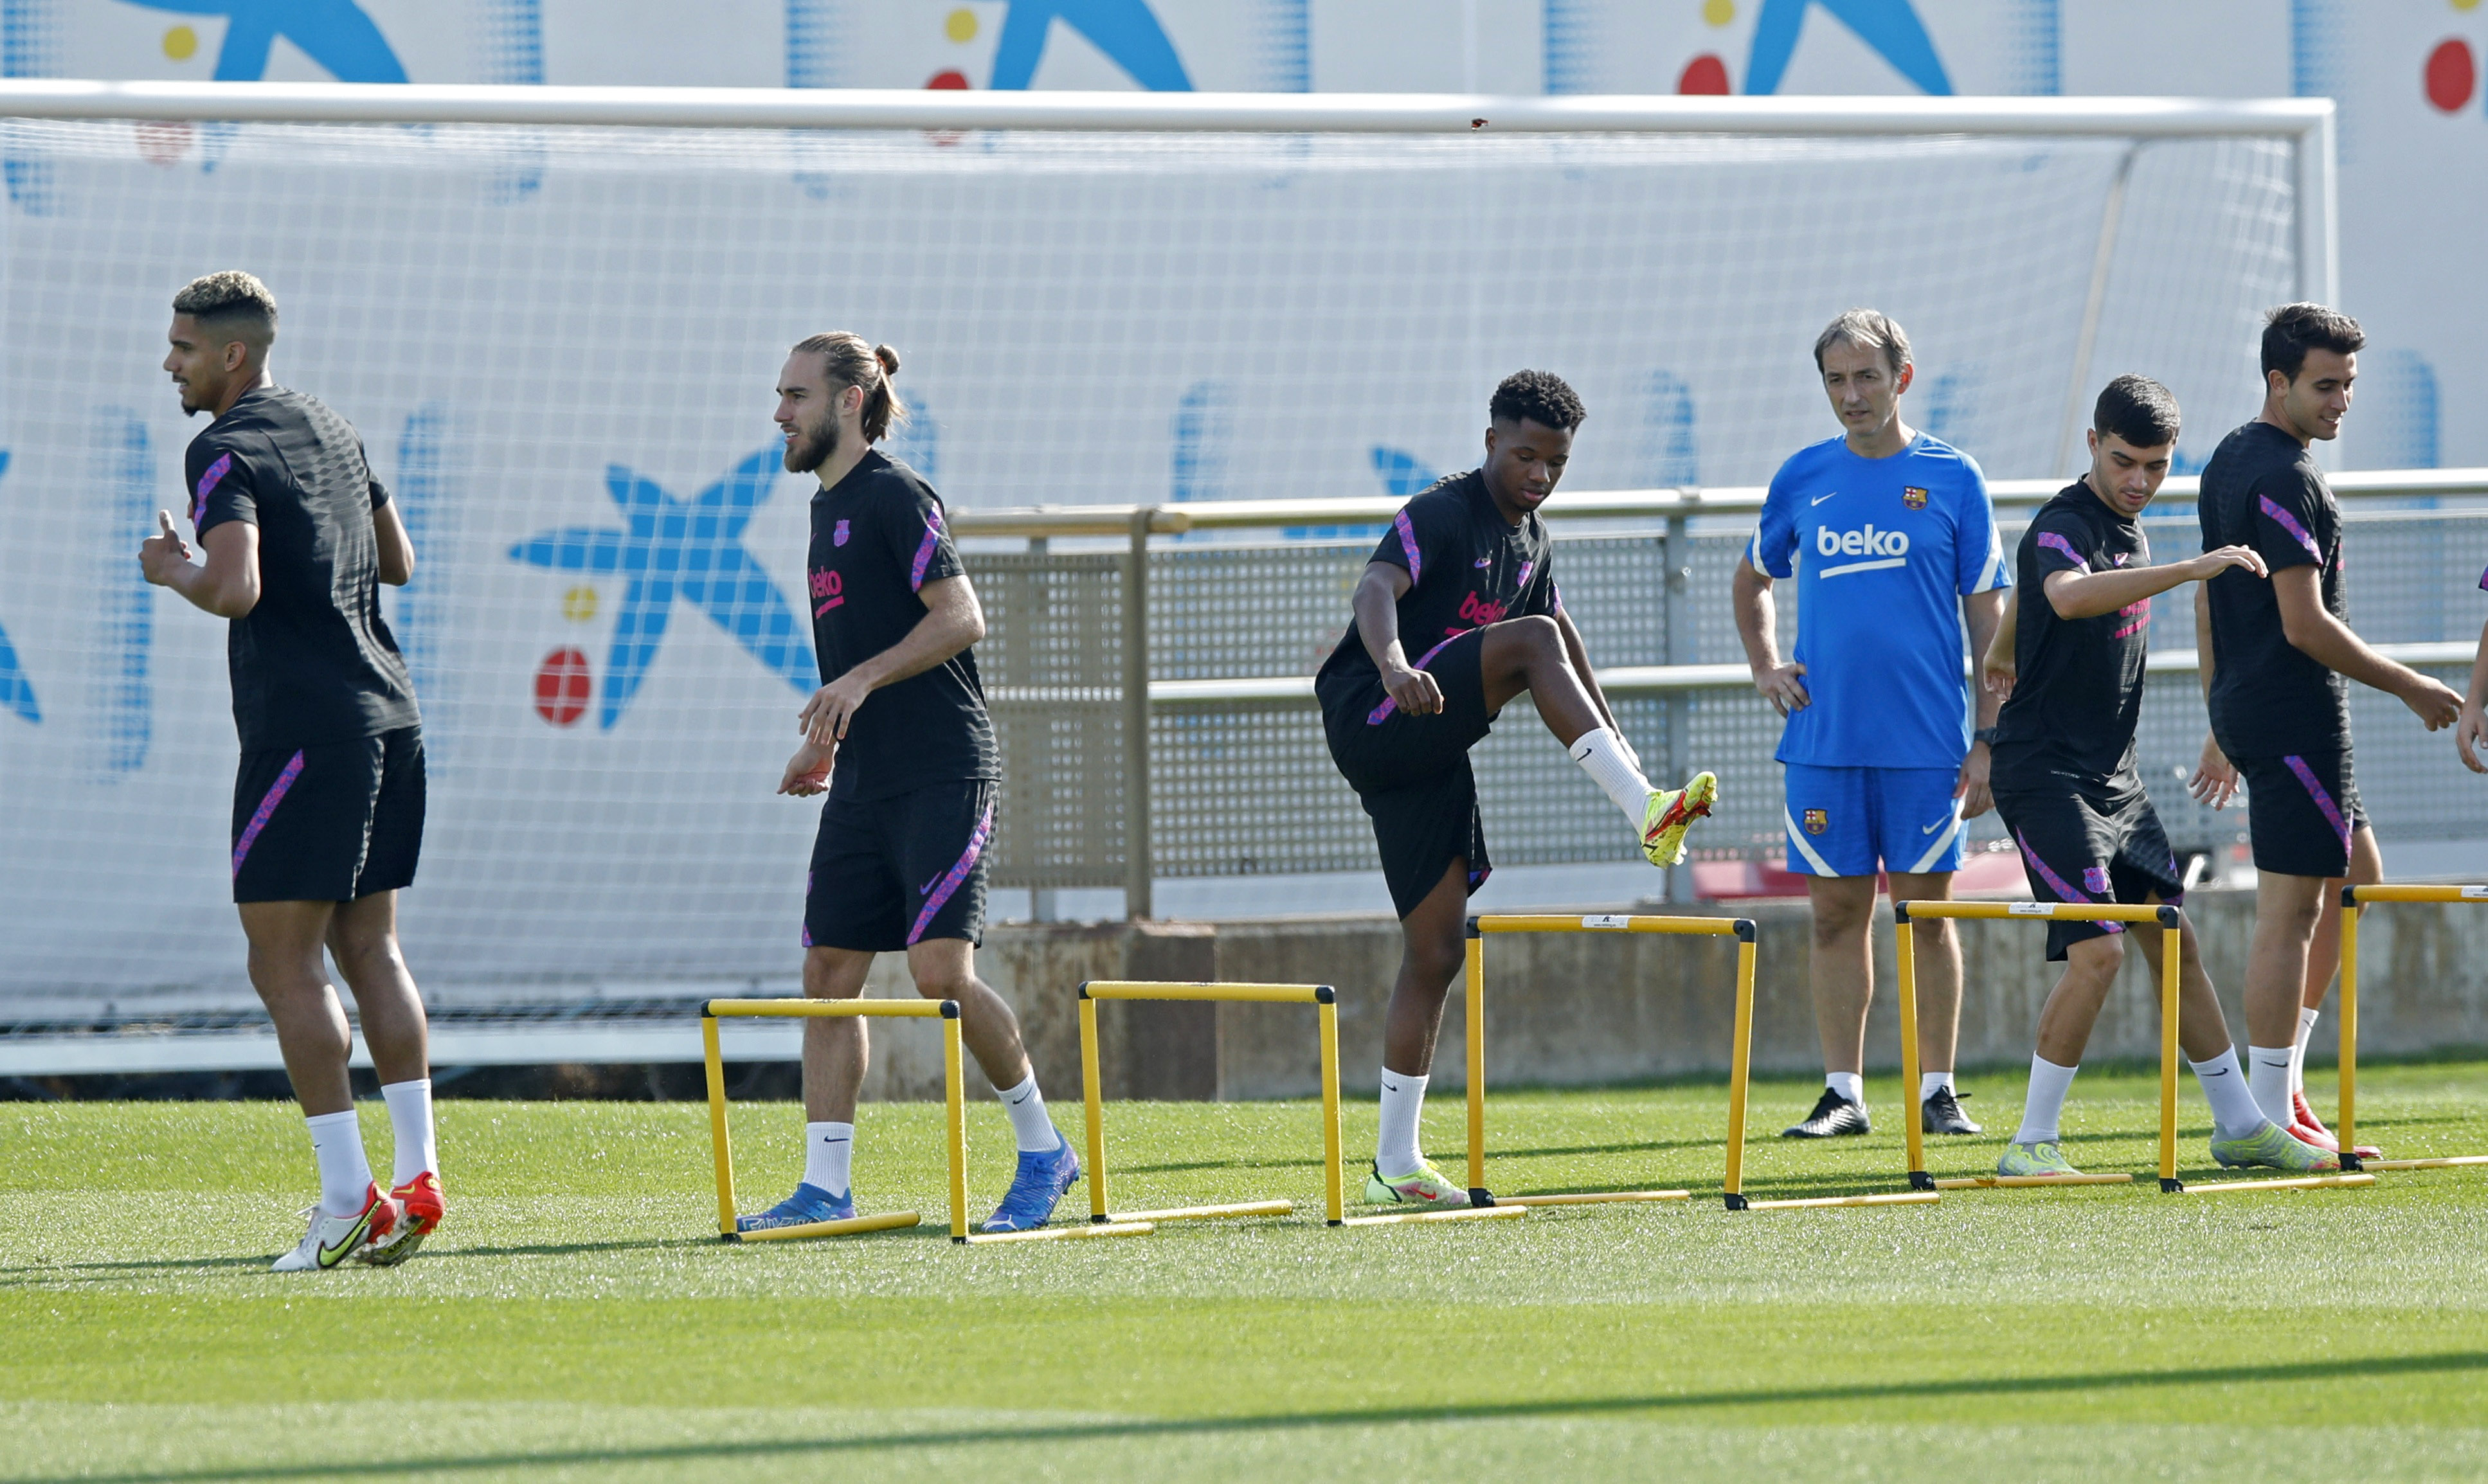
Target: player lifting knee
x,y
898,737
327,816
2065,781
1465,577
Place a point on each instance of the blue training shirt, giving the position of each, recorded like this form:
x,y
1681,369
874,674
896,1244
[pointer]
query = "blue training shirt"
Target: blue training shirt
x,y
1883,550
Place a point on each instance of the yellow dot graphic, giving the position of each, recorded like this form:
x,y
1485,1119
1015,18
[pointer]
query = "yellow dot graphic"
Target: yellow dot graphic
x,y
2466,5
1718,12
578,604
960,25
181,42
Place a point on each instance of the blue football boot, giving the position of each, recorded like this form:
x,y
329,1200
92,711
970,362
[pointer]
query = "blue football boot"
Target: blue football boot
x,y
1041,1179
809,1203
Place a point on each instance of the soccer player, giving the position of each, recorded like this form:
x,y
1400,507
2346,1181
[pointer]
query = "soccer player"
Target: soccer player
x,y
1891,540
898,737
2065,779
2275,653
1466,572
327,813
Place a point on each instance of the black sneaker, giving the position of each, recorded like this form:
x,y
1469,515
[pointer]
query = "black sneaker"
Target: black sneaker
x,y
1942,1114
1832,1115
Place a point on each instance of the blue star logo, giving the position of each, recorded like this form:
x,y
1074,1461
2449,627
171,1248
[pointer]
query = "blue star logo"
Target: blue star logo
x,y
17,691
335,34
669,548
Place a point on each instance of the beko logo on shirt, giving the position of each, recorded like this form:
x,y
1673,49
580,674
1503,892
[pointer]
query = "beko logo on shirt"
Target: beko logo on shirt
x,y
1480,611
826,583
1882,549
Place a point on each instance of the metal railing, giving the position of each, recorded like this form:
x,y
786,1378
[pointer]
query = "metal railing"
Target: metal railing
x,y
1098,661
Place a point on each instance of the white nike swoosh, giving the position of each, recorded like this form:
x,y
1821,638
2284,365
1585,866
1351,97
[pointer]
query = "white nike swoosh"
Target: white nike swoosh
x,y
1937,825
1818,499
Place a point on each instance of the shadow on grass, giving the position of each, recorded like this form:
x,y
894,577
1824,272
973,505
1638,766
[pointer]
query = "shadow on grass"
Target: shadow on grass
x,y
2299,1373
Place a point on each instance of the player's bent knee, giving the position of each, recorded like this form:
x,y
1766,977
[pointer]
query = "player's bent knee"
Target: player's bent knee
x,y
2097,957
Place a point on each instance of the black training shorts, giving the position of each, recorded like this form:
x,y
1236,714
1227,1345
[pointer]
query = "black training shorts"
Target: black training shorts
x,y
889,873
2083,846
1412,772
330,822
2301,812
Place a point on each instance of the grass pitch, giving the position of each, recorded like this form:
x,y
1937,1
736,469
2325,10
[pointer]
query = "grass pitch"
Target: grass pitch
x,y
577,1319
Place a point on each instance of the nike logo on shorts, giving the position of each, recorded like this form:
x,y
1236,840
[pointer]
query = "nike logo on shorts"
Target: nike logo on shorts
x,y
1937,825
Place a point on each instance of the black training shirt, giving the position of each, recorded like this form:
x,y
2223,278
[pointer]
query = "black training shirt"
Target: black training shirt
x,y
2074,708
2269,698
313,662
1467,568
877,537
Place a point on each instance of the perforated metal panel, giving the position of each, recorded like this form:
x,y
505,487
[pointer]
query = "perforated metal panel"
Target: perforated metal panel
x,y
1248,788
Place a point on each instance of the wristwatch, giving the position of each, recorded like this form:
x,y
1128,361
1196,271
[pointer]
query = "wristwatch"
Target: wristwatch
x,y
1985,733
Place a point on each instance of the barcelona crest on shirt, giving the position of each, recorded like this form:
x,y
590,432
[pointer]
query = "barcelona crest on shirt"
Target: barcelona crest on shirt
x,y
1913,497
1817,821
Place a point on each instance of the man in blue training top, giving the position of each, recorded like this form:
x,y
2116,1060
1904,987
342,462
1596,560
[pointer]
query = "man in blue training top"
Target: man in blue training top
x,y
1892,541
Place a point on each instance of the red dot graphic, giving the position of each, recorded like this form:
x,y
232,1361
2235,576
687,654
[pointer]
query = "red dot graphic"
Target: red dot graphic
x,y
2451,75
562,684
946,80
1704,74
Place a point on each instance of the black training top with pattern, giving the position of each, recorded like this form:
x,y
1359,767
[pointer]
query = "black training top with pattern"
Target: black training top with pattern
x,y
878,537
2078,694
2269,698
1467,568
312,661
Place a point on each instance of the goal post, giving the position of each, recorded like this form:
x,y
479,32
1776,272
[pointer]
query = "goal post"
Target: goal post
x,y
1135,299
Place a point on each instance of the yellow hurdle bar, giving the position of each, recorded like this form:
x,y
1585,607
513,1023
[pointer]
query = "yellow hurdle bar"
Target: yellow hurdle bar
x,y
1061,1233
2353,901
2017,1182
802,1008
886,1222
1892,1199
1325,1002
1739,928
2171,951
2302,1183
1464,1213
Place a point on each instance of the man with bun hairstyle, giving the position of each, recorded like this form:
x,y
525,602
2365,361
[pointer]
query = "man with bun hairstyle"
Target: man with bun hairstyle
x,y
2277,655
897,736
1465,577
328,812
2070,657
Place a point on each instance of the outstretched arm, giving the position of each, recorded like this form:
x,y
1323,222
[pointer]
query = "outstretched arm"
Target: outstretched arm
x,y
952,621
2090,593
2313,632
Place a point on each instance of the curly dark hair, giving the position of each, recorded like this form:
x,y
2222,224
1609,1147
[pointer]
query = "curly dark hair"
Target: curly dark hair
x,y
1539,397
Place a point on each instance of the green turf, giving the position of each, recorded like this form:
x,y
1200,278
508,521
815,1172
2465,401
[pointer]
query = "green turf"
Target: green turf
x,y
578,1319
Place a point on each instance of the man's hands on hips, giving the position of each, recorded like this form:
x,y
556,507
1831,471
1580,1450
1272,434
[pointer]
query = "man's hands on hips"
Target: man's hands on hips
x,y
1784,687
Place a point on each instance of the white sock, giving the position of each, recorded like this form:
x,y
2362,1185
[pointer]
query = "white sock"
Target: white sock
x,y
1849,1084
2268,1075
1035,1133
2306,1019
1602,757
828,1149
1403,1105
1932,1082
410,1105
344,1175
2042,1112
2235,1113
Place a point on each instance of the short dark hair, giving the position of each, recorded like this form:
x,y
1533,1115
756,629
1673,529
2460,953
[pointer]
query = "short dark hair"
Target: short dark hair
x,y
1539,397
233,304
2137,410
2292,330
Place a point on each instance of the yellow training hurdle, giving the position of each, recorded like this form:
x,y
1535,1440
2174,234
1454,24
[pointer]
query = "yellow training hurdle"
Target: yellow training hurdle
x,y
1739,928
1325,1002
2169,918
954,1099
2353,901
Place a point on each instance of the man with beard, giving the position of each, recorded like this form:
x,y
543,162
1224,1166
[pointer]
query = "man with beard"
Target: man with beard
x,y
898,737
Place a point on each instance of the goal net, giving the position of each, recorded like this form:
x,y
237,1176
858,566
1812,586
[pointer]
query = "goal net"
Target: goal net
x,y
559,345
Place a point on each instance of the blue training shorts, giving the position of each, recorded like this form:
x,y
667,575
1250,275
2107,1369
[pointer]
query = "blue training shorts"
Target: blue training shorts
x,y
1844,821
